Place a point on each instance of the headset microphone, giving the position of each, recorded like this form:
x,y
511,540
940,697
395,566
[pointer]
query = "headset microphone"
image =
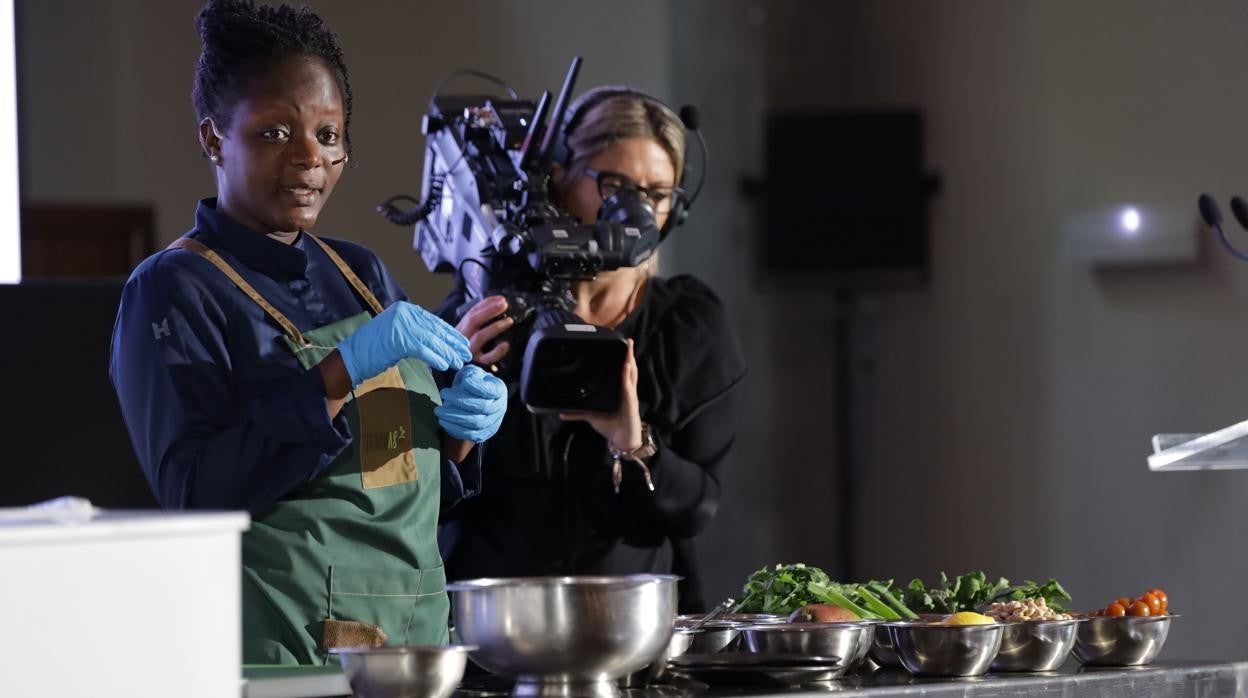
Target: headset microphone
x,y
693,121
689,115
1240,208
1212,216
1209,211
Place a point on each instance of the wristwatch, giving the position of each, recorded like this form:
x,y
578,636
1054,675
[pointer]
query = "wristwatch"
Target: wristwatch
x,y
647,448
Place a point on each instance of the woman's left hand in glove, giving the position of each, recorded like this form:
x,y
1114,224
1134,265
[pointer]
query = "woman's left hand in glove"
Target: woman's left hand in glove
x,y
472,408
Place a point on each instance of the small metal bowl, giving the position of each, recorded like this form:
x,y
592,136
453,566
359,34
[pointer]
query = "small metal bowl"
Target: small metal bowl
x,y
929,649
407,671
1121,641
882,651
714,636
849,639
1035,645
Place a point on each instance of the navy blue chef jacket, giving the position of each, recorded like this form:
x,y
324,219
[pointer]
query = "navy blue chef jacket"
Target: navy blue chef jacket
x,y
221,414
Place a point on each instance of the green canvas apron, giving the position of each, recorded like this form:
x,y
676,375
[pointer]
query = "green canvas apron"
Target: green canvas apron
x,y
350,557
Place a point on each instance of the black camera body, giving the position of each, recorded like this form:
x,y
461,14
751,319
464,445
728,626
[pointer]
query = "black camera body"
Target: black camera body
x,y
488,216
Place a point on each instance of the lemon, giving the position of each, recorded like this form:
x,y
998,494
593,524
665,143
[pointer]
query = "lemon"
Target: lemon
x,y
968,618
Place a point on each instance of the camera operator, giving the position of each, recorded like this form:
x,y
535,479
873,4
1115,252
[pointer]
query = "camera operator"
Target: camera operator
x,y
551,505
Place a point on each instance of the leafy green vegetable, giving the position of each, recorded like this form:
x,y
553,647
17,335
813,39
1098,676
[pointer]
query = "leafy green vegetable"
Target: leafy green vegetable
x,y
840,596
785,588
874,604
968,592
781,589
884,591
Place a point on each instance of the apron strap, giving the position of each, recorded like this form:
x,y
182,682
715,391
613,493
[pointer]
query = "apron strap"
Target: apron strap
x,y
207,253
354,280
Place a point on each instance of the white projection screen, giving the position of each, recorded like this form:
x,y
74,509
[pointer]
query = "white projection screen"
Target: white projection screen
x,y
10,228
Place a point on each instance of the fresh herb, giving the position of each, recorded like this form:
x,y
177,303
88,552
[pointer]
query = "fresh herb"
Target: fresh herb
x,y
783,589
967,592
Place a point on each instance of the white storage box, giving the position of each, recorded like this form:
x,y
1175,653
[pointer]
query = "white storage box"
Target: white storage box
x,y
132,604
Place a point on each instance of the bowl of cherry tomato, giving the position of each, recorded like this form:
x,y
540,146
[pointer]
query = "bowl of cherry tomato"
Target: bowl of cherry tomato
x,y
1126,632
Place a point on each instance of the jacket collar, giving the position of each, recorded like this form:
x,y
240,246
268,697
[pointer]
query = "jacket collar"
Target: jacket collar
x,y
257,250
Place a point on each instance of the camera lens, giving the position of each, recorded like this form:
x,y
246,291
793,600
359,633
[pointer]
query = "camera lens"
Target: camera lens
x,y
568,373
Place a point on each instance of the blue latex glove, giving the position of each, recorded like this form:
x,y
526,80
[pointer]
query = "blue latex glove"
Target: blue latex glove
x,y
402,331
472,408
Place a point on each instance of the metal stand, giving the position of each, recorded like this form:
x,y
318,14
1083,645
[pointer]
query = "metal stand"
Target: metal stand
x,y
847,484
855,343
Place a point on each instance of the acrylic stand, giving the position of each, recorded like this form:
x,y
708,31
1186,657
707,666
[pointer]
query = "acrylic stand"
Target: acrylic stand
x,y
1225,449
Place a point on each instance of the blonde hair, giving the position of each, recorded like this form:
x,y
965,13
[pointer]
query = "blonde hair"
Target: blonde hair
x,y
627,113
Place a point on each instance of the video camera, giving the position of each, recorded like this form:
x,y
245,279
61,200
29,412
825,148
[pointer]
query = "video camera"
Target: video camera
x,y
488,215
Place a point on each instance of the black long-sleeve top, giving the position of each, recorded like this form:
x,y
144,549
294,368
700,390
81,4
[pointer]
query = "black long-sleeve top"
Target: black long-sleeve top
x,y
547,505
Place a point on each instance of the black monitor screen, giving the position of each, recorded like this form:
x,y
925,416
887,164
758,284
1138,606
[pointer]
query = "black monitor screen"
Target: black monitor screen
x,y
845,194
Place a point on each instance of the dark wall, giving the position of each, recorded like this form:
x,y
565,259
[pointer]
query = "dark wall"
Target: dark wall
x,y
63,432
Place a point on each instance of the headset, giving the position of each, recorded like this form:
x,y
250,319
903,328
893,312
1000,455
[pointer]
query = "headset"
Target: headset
x,y
584,104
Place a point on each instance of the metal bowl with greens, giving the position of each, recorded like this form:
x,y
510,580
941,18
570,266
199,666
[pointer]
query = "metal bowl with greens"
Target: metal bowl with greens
x,y
783,589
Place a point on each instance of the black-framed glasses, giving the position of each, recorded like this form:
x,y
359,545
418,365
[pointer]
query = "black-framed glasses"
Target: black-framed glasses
x,y
660,197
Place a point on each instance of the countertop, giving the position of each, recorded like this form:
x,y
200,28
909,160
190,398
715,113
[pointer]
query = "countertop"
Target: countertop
x,y
1179,678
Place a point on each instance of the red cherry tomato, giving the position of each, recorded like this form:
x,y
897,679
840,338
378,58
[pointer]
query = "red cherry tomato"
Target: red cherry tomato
x,y
1138,608
1115,609
1161,596
1154,603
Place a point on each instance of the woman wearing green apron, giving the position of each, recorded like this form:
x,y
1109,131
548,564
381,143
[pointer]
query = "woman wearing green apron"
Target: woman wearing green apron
x,y
262,368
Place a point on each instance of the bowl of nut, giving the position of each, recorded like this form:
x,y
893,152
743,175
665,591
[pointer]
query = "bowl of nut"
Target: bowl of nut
x,y
1036,637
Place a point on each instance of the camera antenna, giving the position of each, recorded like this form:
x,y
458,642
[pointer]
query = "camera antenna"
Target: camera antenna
x,y
561,105
530,149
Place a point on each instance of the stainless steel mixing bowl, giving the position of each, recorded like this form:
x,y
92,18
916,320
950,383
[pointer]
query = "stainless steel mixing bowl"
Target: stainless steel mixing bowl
x,y
656,671
930,649
1035,645
566,636
411,671
1121,641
